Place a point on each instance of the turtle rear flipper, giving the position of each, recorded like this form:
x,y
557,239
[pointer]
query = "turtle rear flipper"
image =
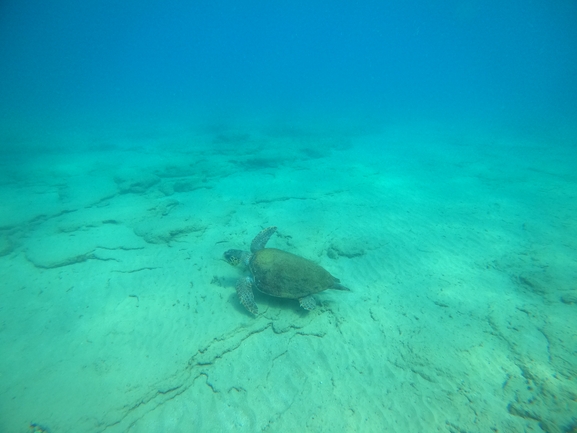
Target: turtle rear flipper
x,y
259,242
308,303
245,295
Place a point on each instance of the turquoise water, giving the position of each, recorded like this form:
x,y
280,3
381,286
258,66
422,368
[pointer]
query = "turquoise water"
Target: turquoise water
x,y
425,155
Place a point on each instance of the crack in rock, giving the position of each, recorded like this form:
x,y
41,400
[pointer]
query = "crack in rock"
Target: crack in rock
x,y
185,378
119,248
209,384
64,262
134,270
272,200
195,369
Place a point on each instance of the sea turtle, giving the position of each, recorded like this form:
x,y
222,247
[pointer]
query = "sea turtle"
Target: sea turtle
x,y
278,273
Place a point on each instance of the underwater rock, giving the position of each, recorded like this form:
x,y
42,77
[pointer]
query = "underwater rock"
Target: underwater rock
x,y
345,248
569,297
6,247
134,182
153,233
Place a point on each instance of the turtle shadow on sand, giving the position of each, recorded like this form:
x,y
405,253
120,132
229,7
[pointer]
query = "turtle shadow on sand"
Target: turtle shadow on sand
x,y
278,273
268,305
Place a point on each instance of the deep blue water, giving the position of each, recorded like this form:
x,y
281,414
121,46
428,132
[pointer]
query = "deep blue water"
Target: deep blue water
x,y
93,64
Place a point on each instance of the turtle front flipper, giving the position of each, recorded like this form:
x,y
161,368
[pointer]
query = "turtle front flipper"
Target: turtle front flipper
x,y
245,295
261,239
308,303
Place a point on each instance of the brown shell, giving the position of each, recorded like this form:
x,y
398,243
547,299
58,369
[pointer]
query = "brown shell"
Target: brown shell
x,y
282,274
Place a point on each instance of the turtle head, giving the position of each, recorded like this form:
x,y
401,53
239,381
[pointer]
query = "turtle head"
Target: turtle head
x,y
237,257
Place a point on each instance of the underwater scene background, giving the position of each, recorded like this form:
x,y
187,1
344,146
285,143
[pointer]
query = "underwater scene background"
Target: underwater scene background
x,y
425,153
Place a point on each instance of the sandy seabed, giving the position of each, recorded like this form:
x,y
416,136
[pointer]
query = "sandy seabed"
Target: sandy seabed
x,y
118,313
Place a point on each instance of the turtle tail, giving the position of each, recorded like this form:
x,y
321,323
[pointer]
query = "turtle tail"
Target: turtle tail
x,y
339,286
